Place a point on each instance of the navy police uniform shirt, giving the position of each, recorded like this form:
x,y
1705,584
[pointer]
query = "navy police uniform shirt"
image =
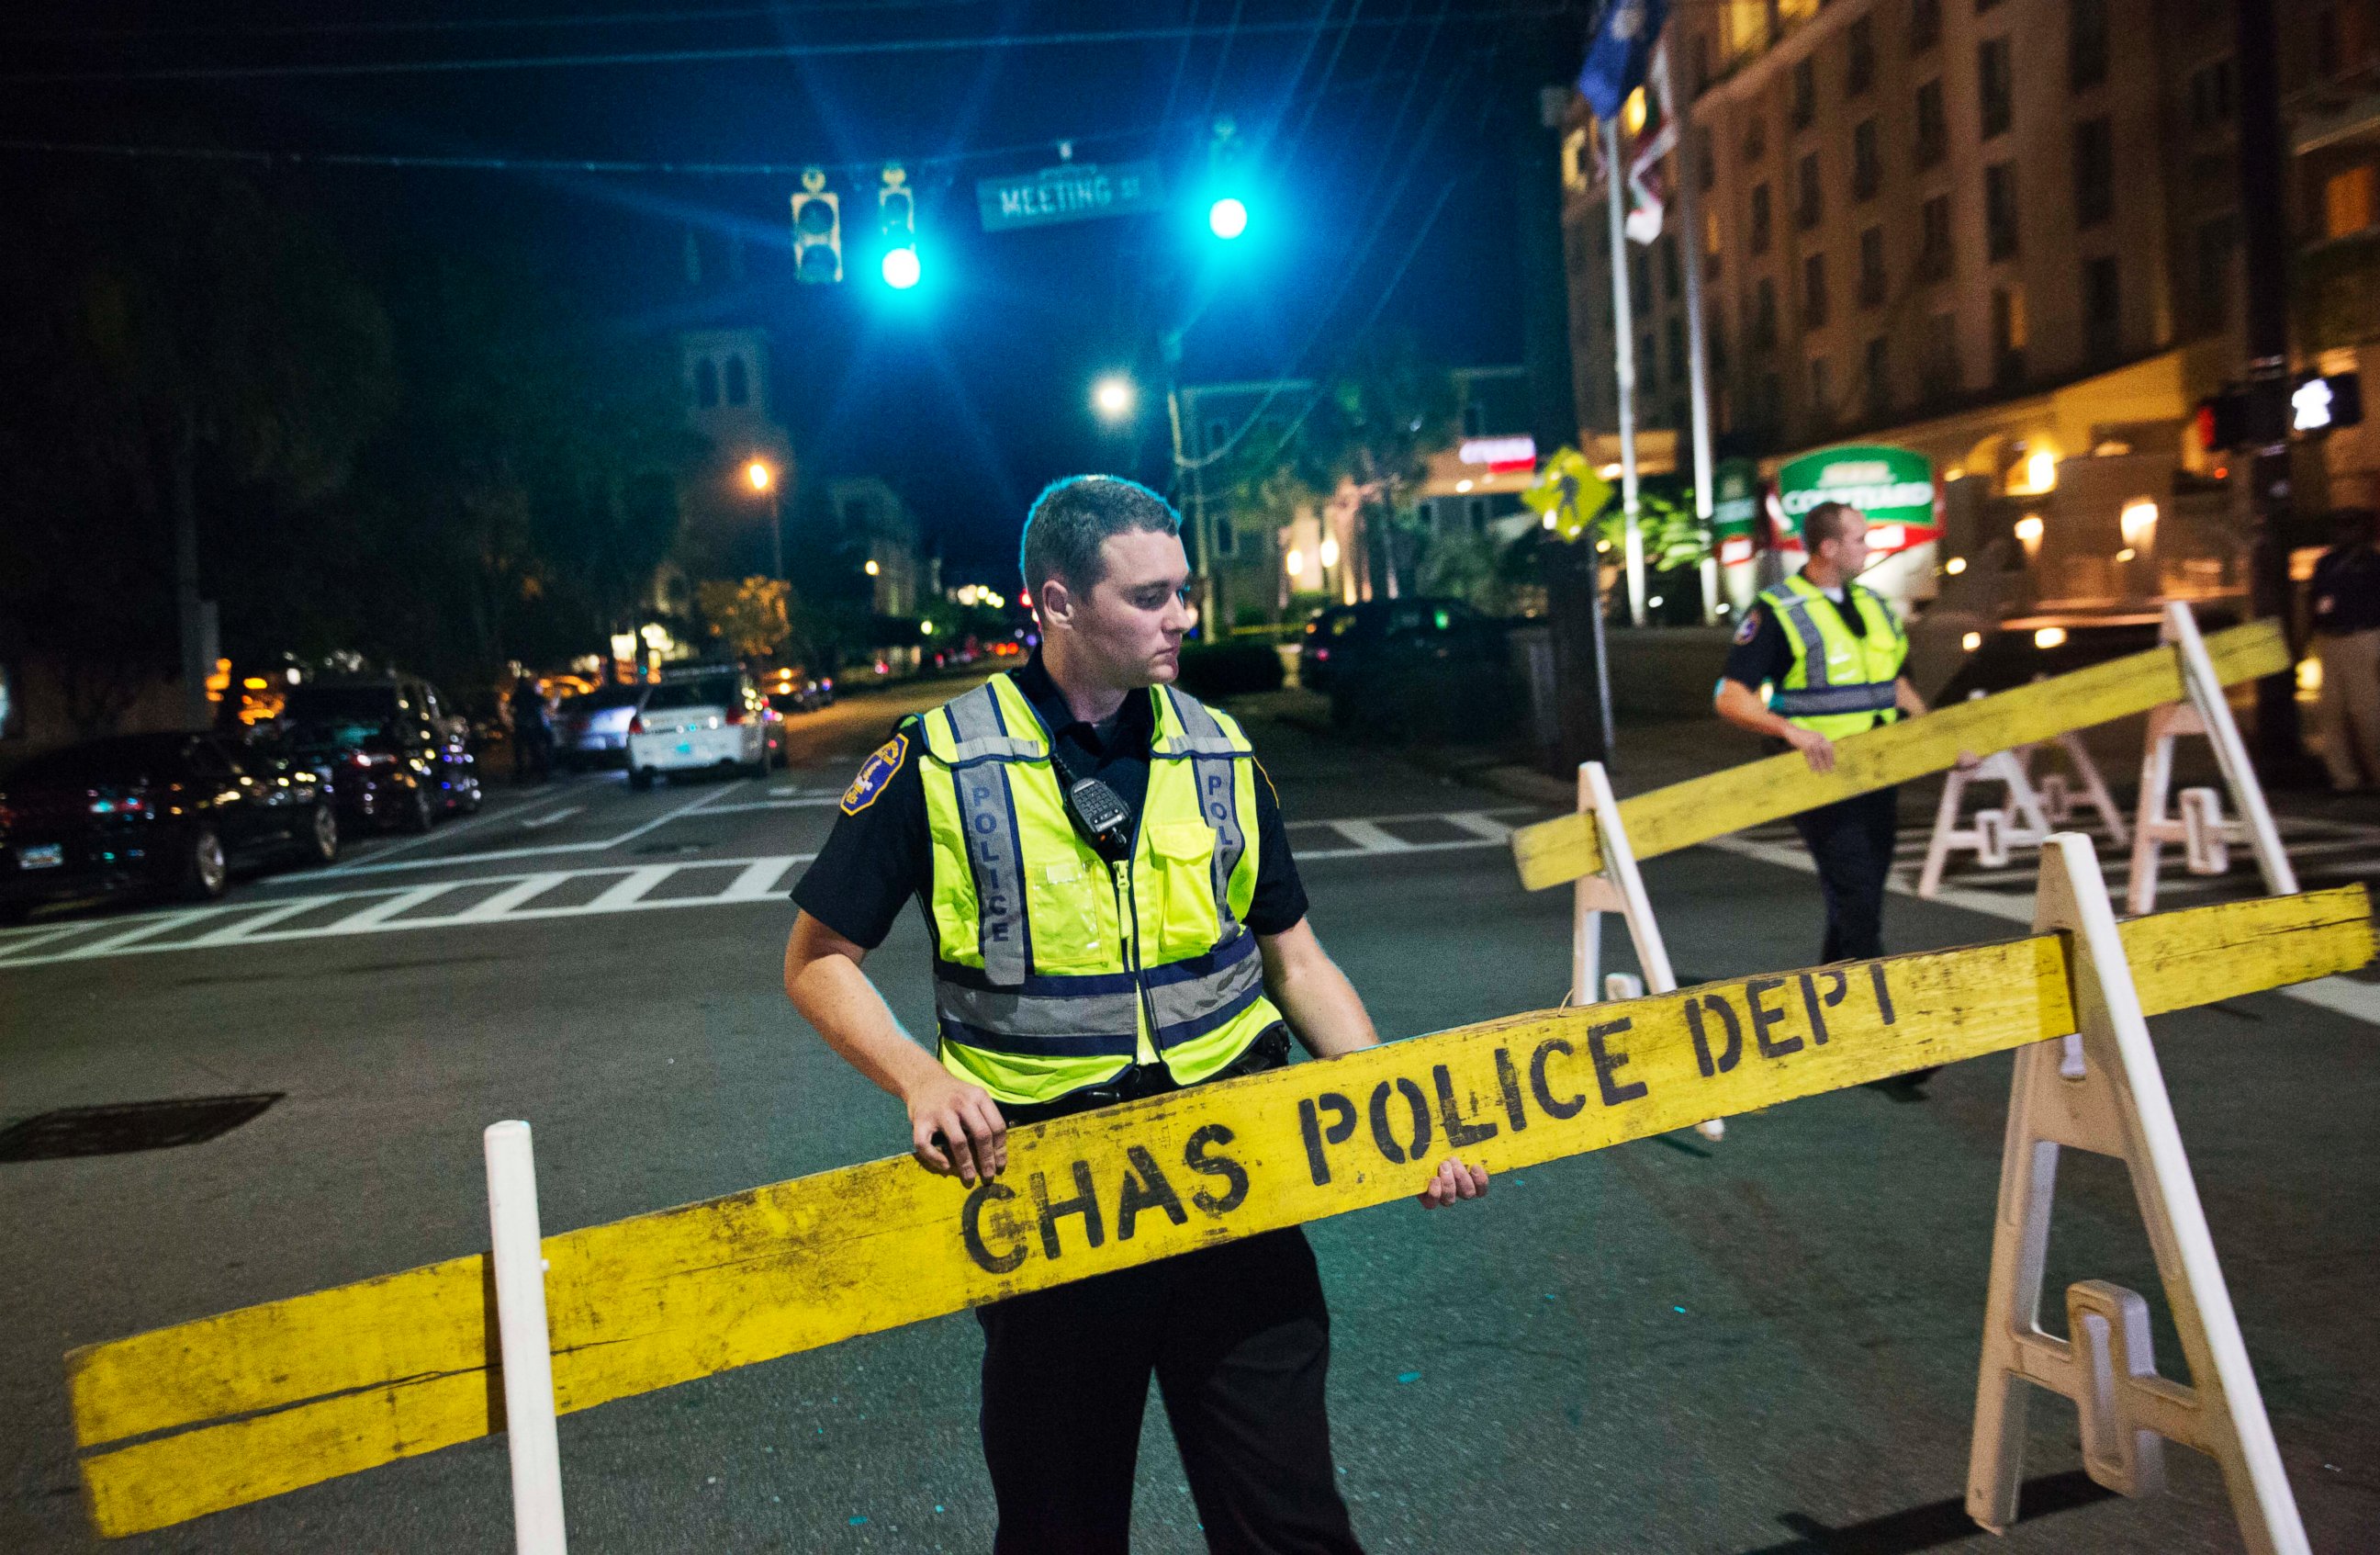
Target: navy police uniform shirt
x,y
2344,597
878,856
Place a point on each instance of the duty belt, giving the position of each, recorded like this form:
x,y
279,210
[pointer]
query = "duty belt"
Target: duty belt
x,y
1270,1051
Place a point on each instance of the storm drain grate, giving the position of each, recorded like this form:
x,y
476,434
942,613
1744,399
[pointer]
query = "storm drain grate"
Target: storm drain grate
x,y
128,1127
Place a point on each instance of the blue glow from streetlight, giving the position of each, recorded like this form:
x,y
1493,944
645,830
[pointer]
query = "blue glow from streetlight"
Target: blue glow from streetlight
x,y
1227,218
900,268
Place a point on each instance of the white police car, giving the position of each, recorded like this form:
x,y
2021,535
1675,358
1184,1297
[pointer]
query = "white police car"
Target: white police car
x,y
713,719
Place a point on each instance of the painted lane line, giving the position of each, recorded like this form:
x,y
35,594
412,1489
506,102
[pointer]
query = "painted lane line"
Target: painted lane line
x,y
511,896
624,892
1419,815
815,801
549,817
1480,824
1369,836
2343,995
33,939
496,855
759,880
390,906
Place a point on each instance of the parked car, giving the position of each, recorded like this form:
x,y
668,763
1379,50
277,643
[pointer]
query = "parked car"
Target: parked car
x,y
794,689
711,719
170,813
394,752
592,730
1339,639
1438,670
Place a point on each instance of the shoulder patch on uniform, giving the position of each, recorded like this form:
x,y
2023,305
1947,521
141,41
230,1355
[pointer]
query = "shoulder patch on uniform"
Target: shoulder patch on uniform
x,y
875,773
1747,629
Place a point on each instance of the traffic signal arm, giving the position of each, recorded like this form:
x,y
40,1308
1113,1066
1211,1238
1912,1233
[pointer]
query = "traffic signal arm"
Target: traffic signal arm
x,y
1666,819
254,1403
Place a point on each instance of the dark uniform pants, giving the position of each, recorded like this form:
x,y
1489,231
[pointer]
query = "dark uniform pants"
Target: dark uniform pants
x,y
1852,841
1239,1341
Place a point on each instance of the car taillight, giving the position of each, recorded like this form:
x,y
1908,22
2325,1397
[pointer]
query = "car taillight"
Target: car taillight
x,y
737,715
365,760
636,724
1321,654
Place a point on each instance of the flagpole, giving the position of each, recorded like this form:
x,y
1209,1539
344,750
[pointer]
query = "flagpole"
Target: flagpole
x,y
1697,373
1623,365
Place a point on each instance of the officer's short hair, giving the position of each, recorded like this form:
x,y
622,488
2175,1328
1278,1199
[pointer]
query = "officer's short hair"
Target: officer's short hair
x,y
1824,522
1069,519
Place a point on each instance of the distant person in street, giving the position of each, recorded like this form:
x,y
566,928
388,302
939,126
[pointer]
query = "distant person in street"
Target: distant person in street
x,y
2344,603
1831,650
532,731
1160,941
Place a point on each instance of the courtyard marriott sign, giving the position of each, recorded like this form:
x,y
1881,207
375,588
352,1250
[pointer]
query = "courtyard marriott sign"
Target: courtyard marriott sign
x,y
1892,486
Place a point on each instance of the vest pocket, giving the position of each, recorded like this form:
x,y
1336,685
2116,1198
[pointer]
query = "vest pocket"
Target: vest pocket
x,y
1061,897
1183,854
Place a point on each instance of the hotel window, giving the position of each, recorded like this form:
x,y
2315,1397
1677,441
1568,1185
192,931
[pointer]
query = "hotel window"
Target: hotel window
x,y
2007,337
1760,218
2217,240
1813,291
1810,203
1995,86
2210,95
1822,391
1938,369
1999,211
1804,97
1924,24
2086,43
2102,312
1872,285
1933,125
1859,73
1867,160
1763,314
2095,172
2348,201
1875,381
1934,260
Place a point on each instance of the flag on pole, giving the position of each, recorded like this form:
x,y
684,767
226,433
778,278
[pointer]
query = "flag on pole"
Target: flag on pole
x,y
1646,187
1617,53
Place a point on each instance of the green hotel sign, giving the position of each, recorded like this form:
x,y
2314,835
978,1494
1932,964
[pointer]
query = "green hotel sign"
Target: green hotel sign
x,y
1892,486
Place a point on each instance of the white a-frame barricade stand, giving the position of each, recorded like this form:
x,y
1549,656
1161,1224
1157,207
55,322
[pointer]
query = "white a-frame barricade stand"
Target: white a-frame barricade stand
x,y
1616,888
2025,819
2101,1090
2200,828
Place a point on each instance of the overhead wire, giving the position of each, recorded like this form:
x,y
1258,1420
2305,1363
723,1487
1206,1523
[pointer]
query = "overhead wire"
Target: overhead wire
x,y
849,48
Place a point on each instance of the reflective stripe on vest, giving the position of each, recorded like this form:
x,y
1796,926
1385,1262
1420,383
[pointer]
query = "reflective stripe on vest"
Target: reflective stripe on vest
x,y
1047,977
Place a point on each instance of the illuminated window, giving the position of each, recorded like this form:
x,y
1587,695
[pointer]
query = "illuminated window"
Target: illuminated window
x,y
2348,201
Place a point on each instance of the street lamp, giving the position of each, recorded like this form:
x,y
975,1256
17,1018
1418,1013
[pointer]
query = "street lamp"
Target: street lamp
x,y
900,268
762,477
1227,218
1113,398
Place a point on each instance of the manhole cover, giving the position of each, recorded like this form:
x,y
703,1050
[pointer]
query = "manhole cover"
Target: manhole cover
x,y
127,1126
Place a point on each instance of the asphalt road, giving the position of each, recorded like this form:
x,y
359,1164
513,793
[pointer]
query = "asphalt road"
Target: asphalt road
x,y
1764,1345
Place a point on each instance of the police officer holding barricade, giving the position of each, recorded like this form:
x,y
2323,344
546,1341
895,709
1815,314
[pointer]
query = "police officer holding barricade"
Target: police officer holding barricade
x,y
1831,651
1113,914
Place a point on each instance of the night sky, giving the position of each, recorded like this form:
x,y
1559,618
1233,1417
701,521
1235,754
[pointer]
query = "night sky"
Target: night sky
x,y
971,393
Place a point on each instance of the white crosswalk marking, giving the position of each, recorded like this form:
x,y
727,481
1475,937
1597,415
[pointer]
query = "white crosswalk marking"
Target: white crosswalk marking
x,y
624,892
516,898
1370,836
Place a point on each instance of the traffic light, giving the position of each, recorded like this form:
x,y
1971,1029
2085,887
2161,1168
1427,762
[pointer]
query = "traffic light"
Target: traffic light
x,y
2222,421
2326,404
896,220
1227,211
818,231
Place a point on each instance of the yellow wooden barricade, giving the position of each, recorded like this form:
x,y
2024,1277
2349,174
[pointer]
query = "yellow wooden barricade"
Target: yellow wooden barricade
x,y
1694,811
230,1409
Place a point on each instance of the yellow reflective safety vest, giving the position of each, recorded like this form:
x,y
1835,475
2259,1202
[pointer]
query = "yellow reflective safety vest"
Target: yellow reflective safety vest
x,y
1839,683
1053,968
